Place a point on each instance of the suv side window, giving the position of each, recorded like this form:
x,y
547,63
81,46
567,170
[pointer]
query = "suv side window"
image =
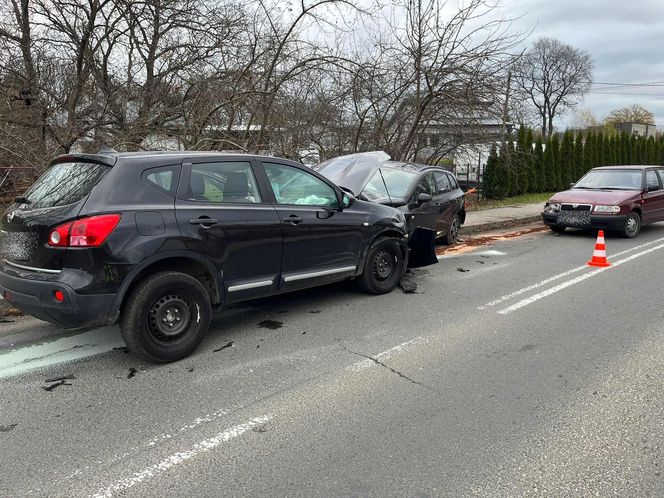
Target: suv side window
x,y
223,182
297,187
443,182
426,185
164,178
651,179
453,181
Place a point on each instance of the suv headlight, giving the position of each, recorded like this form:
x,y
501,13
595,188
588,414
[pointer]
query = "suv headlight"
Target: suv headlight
x,y
552,207
601,208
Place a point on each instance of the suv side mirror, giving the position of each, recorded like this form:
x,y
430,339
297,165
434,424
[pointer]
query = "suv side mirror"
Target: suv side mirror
x,y
652,186
423,197
347,200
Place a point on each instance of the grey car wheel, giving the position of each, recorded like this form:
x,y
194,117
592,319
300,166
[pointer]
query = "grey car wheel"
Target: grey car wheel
x,y
632,225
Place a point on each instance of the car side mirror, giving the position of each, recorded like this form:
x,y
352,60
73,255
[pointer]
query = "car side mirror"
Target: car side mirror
x,y
571,185
423,197
347,201
652,187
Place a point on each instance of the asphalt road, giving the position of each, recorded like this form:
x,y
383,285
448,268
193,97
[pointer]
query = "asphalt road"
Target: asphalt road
x,y
514,370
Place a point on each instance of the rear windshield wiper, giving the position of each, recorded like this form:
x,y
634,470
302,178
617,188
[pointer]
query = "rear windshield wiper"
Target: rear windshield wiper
x,y
22,200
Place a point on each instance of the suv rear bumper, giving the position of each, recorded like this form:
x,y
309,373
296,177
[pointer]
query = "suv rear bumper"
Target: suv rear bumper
x,y
37,298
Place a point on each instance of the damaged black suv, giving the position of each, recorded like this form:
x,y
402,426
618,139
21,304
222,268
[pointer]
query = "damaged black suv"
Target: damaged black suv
x,y
157,241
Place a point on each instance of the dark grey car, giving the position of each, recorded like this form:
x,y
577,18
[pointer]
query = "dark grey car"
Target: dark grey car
x,y
429,196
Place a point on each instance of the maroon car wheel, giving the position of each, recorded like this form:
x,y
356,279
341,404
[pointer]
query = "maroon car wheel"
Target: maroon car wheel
x,y
632,225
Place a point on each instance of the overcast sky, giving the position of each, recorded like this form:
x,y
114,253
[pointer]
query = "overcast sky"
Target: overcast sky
x,y
624,37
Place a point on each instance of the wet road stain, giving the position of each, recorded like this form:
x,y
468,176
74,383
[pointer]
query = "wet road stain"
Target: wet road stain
x,y
7,428
315,312
270,324
132,373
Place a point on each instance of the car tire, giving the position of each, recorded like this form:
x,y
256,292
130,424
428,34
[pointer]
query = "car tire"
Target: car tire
x,y
166,316
453,231
557,228
382,268
632,225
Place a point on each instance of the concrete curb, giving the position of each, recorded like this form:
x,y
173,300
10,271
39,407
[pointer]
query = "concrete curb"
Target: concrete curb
x,y
495,225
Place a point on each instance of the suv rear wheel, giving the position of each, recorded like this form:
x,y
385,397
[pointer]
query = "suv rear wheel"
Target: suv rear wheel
x,y
382,268
166,316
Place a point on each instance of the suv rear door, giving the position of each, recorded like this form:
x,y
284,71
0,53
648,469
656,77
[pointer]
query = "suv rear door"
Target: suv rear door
x,y
222,213
56,197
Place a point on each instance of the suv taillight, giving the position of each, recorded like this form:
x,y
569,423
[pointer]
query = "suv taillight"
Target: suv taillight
x,y
86,232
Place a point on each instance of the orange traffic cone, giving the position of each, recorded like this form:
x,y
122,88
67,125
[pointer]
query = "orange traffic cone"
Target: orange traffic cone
x,y
599,254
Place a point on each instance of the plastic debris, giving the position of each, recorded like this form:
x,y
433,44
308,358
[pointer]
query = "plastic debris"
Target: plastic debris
x,y
228,345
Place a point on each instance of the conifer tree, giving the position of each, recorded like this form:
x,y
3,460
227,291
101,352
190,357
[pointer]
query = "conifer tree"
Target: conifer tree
x,y
538,160
599,150
566,160
548,166
652,151
588,153
578,157
555,150
520,165
489,179
510,163
530,182
503,186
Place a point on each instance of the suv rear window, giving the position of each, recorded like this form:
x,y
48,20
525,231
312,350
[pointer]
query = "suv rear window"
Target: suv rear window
x,y
65,183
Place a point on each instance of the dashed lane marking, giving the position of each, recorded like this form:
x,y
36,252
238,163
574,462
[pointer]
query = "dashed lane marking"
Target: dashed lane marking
x,y
568,283
553,278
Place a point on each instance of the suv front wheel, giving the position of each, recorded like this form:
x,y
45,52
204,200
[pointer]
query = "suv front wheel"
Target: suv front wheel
x,y
382,268
166,316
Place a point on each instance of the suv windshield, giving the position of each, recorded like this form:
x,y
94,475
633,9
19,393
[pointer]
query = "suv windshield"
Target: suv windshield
x,y
611,179
398,181
65,183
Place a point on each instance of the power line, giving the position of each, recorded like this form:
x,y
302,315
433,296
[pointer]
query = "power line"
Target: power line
x,y
650,84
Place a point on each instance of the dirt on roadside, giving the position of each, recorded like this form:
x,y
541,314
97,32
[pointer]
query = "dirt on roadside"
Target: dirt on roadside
x,y
7,309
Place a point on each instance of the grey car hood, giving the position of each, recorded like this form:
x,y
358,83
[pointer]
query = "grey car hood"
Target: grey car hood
x,y
353,171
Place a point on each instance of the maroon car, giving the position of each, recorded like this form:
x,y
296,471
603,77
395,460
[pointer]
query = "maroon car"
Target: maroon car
x,y
615,198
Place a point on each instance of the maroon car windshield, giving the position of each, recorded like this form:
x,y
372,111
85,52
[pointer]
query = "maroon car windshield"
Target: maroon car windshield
x,y
611,179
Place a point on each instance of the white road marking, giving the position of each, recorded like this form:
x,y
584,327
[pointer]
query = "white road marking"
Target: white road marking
x,y
523,290
211,417
580,278
361,365
181,456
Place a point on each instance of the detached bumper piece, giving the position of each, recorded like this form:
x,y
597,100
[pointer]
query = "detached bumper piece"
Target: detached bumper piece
x,y
55,302
422,249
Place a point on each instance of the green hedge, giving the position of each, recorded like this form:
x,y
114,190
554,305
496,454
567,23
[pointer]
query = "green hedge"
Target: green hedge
x,y
523,167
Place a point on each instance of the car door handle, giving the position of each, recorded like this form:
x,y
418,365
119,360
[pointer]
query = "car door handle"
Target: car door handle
x,y
293,219
203,220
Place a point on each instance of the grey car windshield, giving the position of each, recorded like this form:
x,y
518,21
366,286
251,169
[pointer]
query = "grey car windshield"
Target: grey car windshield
x,y
398,182
611,179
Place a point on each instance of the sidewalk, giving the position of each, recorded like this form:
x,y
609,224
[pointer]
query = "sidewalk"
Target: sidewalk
x,y
489,219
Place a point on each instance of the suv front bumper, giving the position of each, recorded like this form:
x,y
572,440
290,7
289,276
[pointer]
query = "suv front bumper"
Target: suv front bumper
x,y
37,298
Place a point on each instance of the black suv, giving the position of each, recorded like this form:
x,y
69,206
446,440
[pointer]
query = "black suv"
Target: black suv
x,y
157,241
